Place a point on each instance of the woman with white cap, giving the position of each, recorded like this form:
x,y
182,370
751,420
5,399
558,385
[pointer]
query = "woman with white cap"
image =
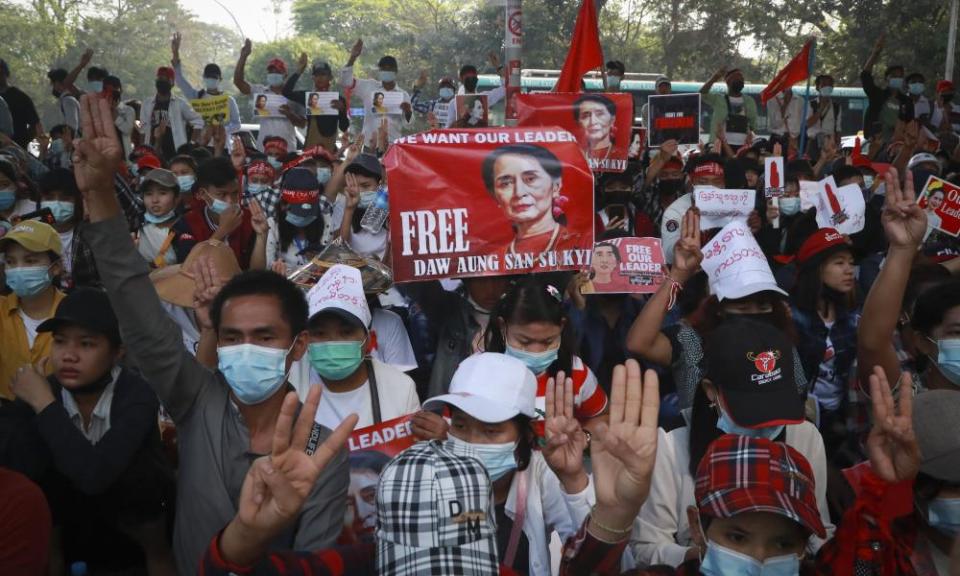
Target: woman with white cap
x,y
492,402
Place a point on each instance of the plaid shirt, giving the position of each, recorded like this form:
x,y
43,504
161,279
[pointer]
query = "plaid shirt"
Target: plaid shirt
x,y
269,199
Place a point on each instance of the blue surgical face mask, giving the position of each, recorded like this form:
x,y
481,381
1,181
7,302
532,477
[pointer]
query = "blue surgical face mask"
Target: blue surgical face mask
x,y
916,88
274,79
446,93
256,187
62,210
943,514
211,84
8,197
323,175
727,424
253,372
336,360
537,362
388,76
28,281
154,219
613,82
895,83
868,181
57,147
826,91
275,162
367,198
721,561
219,206
299,221
948,359
186,182
789,206
498,459
95,86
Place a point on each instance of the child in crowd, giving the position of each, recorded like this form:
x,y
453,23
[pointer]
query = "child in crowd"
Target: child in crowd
x,y
160,190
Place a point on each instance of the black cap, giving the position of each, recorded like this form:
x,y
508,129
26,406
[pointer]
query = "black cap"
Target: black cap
x,y
88,308
752,364
366,163
322,67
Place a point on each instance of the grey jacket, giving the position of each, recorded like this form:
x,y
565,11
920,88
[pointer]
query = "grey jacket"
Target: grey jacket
x,y
213,440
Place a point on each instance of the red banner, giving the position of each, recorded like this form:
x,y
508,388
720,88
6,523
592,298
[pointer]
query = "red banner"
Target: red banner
x,y
626,266
488,202
601,122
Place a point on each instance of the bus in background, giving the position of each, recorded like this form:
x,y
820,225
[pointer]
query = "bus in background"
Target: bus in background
x,y
852,100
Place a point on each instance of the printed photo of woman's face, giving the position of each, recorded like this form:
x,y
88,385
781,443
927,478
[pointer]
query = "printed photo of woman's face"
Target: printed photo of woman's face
x,y
523,189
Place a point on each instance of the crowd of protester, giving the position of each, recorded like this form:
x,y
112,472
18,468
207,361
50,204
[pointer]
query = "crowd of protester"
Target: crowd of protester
x,y
172,403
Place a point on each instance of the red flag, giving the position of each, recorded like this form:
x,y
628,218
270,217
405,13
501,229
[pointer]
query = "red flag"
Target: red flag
x,y
798,69
585,52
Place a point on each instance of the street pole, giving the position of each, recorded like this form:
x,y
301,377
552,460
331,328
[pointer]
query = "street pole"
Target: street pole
x,y
513,53
951,40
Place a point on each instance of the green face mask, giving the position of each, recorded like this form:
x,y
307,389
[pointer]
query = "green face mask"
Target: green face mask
x,y
335,360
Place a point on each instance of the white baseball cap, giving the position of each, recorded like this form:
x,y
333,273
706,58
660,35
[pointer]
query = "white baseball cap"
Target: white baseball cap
x,y
491,387
340,291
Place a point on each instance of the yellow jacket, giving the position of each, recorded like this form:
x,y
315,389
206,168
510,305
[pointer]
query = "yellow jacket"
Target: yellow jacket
x,y
14,348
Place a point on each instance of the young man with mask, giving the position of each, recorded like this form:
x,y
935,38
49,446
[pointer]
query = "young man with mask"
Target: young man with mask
x,y
338,351
225,420
469,80
282,126
212,77
885,105
216,213
784,118
168,119
95,424
321,130
824,119
615,73
68,106
439,107
734,113
365,89
915,85
32,253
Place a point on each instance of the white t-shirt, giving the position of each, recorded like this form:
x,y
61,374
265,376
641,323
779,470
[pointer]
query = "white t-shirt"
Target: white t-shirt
x,y
397,393
393,342
30,326
363,242
151,240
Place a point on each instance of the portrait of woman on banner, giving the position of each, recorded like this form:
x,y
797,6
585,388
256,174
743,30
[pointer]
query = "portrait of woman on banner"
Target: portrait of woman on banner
x,y
525,180
605,274
596,116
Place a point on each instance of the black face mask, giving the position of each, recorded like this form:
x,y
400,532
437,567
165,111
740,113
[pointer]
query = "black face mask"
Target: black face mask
x,y
163,87
736,86
946,97
470,83
670,187
56,93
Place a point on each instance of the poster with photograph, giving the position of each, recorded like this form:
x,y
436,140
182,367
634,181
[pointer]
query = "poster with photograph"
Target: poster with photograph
x,y
473,110
625,266
215,110
673,117
488,202
941,200
268,104
602,123
386,103
321,103
638,143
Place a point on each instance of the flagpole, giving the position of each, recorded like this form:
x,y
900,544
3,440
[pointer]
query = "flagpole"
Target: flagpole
x,y
806,100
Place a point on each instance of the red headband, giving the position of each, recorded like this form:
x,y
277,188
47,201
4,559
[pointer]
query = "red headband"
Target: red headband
x,y
261,168
708,169
300,196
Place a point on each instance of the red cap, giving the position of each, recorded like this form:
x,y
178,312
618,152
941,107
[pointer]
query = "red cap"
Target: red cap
x,y
820,242
279,64
261,167
166,73
944,86
148,161
739,474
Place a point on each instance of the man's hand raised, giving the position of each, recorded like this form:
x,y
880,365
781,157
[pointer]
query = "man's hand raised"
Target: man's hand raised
x,y
96,157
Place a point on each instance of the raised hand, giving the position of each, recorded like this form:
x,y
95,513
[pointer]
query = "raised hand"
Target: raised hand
x,y
207,284
246,49
276,486
86,57
98,154
892,446
357,49
352,190
566,441
903,221
175,46
258,220
238,155
303,62
623,453
687,255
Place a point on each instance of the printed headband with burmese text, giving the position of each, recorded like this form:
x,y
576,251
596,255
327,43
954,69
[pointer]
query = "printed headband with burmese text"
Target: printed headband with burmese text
x,y
261,168
708,169
299,196
311,153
